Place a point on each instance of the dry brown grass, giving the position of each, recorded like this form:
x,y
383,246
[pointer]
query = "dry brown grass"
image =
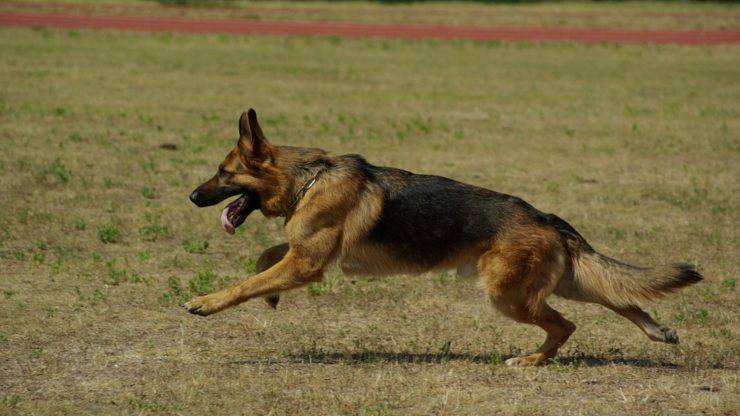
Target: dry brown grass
x,y
636,146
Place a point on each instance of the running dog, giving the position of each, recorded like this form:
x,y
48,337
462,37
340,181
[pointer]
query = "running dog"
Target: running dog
x,y
373,220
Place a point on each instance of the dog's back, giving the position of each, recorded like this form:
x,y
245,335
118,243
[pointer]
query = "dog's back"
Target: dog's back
x,y
425,222
430,220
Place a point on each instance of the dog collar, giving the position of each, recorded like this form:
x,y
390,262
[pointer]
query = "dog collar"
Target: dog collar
x,y
301,192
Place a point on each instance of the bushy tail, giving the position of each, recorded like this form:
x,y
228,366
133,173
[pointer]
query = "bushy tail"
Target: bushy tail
x,y
599,278
610,281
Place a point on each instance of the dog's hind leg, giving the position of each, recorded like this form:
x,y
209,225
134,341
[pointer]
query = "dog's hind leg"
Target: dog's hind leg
x,y
652,329
655,331
267,259
520,271
558,331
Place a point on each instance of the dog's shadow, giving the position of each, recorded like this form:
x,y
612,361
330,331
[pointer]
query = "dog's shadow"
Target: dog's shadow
x,y
370,357
366,357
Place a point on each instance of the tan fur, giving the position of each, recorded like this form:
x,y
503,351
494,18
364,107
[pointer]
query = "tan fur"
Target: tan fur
x,y
601,280
529,259
520,271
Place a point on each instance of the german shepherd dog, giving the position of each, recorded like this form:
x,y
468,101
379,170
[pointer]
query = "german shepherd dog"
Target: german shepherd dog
x,y
373,220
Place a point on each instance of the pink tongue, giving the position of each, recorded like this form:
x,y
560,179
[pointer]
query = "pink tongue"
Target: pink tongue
x,y
225,221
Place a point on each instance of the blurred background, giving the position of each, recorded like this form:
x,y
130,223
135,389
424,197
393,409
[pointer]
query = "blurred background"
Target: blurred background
x,y
621,117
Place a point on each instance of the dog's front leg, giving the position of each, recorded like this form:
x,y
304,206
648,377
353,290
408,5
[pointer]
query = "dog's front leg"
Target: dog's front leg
x,y
302,264
287,274
267,259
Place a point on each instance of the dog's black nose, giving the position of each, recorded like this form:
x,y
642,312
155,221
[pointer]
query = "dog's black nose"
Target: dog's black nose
x,y
194,197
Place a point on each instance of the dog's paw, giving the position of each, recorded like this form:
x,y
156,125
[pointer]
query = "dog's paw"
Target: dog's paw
x,y
204,305
670,336
663,334
527,360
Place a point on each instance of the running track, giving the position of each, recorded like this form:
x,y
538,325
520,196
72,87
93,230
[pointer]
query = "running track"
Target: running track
x,y
362,30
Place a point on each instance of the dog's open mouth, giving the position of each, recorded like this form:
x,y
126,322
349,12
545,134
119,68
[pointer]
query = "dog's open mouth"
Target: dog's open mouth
x,y
237,211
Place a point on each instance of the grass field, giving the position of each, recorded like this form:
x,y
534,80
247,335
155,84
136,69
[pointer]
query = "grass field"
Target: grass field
x,y
636,146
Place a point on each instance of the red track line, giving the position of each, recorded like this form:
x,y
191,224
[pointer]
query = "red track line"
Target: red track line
x,y
115,7
360,30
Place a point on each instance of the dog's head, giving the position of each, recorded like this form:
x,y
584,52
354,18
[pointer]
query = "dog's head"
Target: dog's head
x,y
256,170
248,170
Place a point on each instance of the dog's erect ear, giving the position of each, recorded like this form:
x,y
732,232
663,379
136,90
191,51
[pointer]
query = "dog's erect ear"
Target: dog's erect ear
x,y
252,141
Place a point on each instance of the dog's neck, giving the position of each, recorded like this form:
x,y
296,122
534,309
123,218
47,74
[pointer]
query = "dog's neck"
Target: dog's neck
x,y
298,195
304,176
